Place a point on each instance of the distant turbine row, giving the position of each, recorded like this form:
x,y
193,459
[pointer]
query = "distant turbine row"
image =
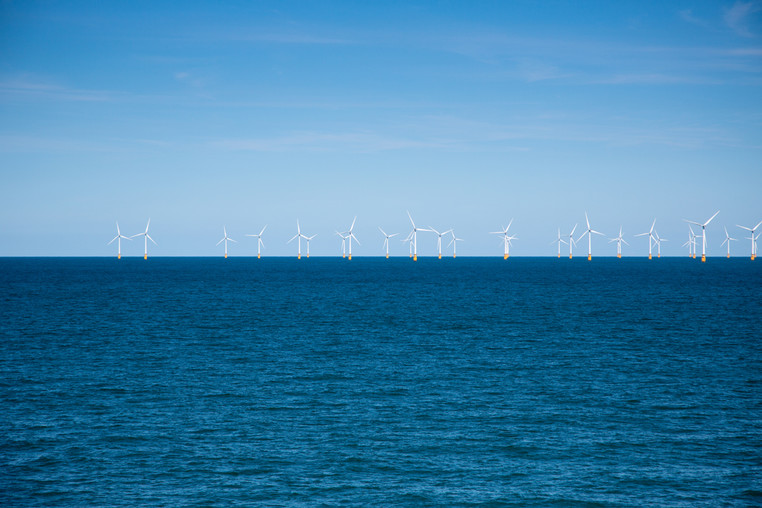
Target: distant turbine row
x,y
348,236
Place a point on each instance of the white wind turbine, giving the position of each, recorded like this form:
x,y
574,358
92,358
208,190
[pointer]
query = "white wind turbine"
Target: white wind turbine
x,y
506,239
343,244
559,241
349,236
657,242
298,237
728,240
454,243
703,234
651,237
308,238
589,232
146,237
118,239
226,240
571,240
691,243
619,240
413,237
439,239
386,240
260,243
752,238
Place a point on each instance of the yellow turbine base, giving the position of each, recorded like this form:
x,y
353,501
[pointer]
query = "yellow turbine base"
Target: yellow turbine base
x,y
703,258
415,257
453,256
343,256
119,256
728,256
559,256
226,255
619,256
649,256
259,256
658,256
145,256
308,255
589,257
505,256
298,256
570,256
440,256
387,256
350,257
694,256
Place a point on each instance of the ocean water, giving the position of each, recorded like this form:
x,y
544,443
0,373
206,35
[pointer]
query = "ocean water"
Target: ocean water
x,y
474,381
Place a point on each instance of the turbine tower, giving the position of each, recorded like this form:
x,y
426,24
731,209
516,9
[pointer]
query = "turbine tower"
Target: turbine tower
x,y
349,236
298,237
343,244
651,237
308,238
260,243
728,240
386,240
454,243
439,239
619,240
571,240
413,237
146,237
559,241
506,239
752,238
226,240
118,239
657,242
691,243
703,234
589,232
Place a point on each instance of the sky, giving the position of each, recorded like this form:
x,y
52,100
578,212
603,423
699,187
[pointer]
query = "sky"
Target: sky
x,y
200,115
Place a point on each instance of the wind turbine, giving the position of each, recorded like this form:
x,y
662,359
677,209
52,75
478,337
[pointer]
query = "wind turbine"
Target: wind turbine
x,y
571,240
413,237
386,240
454,243
308,238
651,237
658,241
619,240
439,239
753,239
226,240
118,239
506,239
589,232
298,237
146,237
728,240
691,243
343,244
349,236
260,243
559,241
703,234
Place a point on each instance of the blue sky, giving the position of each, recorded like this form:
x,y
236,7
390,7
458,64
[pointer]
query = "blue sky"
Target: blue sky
x,y
468,114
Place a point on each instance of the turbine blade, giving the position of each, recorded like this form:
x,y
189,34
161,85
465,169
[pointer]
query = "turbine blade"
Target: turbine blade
x,y
710,218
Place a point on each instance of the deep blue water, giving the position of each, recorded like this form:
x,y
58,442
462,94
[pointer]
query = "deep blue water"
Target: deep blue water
x,y
204,381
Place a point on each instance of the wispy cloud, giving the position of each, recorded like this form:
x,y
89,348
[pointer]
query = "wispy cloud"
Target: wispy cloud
x,y
24,87
737,18
688,16
324,142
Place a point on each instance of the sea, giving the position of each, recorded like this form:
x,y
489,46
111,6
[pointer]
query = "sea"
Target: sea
x,y
380,382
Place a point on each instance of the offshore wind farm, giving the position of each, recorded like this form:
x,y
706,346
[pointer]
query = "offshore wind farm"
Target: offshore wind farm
x,y
472,253
348,236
